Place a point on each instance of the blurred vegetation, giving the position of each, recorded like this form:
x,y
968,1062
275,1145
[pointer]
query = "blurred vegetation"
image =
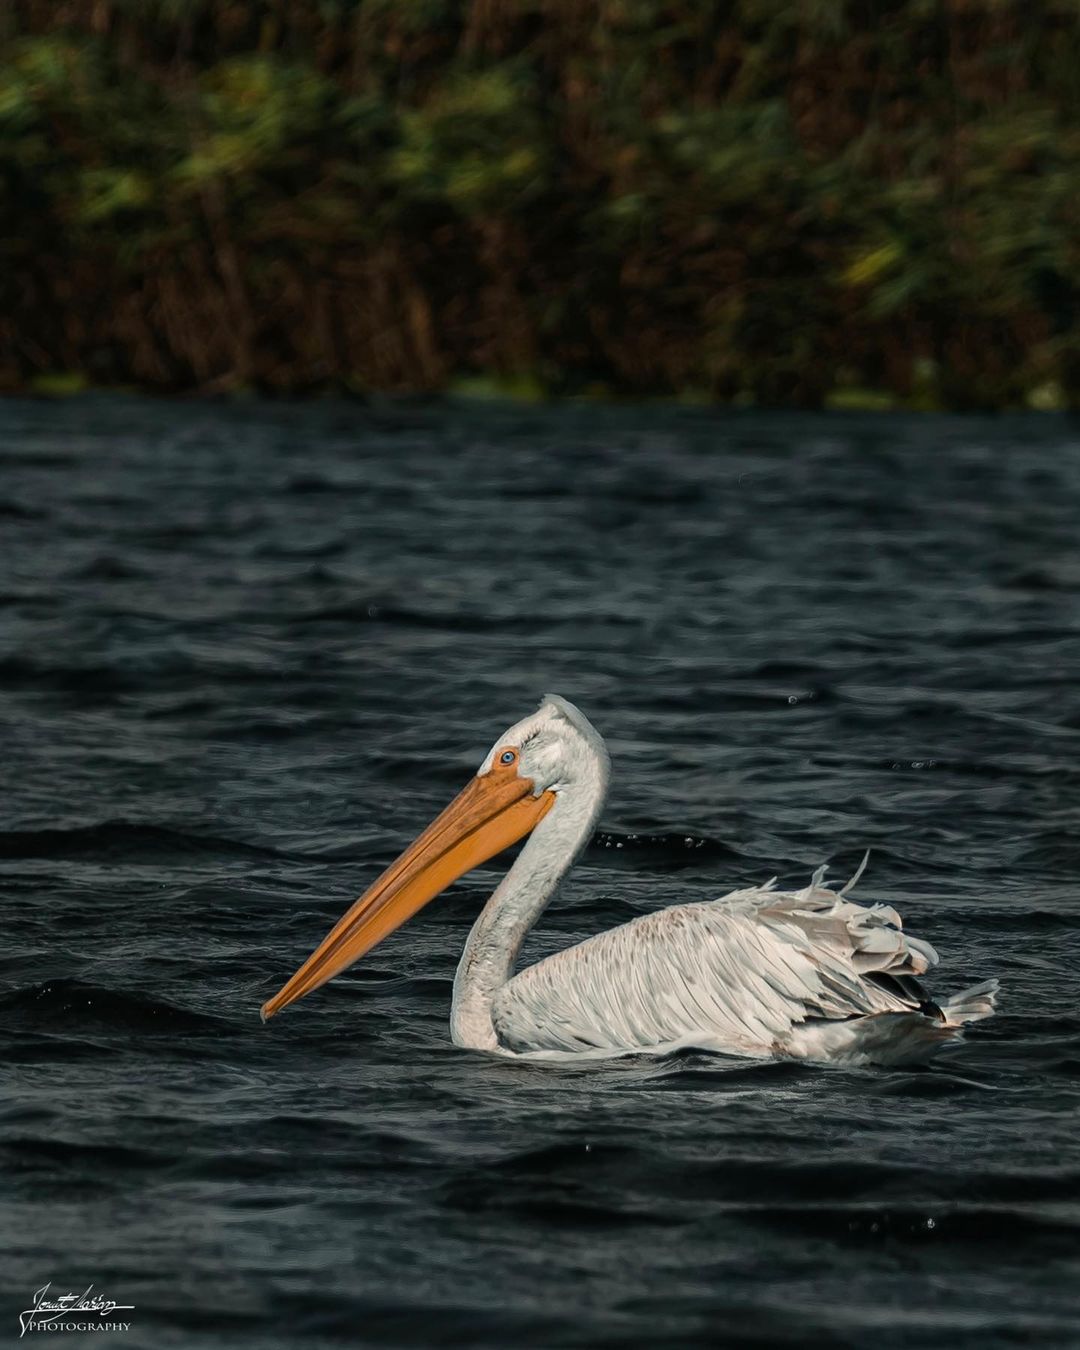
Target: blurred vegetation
x,y
783,202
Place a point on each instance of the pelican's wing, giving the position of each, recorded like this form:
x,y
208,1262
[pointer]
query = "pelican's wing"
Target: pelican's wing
x,y
736,974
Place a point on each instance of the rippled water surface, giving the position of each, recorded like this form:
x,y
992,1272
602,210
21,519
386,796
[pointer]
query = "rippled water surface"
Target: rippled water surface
x,y
246,653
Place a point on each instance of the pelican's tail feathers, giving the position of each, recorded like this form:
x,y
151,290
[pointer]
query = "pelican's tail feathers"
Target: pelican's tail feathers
x,y
893,1038
971,1005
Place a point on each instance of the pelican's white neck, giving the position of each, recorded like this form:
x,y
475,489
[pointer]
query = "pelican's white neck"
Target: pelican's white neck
x,y
518,901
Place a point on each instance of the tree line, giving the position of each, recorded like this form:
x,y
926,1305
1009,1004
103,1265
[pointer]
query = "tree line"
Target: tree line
x,y
771,202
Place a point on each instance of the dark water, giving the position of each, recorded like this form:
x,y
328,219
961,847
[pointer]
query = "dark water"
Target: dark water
x,y
246,654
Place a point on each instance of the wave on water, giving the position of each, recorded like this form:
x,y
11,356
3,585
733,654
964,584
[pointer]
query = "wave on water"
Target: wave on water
x,y
128,841
60,1005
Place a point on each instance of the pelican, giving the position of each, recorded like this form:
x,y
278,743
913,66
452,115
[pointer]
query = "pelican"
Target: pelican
x,y
760,972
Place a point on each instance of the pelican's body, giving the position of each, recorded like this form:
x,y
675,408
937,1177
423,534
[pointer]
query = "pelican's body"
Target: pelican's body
x,y
759,972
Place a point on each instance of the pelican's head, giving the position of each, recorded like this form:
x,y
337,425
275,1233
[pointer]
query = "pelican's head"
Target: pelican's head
x,y
552,751
556,747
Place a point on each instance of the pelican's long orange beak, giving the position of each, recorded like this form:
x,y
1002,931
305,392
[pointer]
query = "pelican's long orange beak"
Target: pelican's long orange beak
x,y
495,810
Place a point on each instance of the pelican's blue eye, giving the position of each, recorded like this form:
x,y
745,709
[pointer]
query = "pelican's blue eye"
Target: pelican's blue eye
x,y
507,757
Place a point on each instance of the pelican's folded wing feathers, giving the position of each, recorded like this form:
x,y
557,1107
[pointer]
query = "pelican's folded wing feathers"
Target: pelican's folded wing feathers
x,y
737,974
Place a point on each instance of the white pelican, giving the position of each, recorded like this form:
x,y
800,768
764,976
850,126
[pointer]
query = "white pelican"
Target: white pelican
x,y
759,972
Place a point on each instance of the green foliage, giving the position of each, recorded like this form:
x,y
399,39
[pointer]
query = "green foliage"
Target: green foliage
x,y
248,112
475,143
814,203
